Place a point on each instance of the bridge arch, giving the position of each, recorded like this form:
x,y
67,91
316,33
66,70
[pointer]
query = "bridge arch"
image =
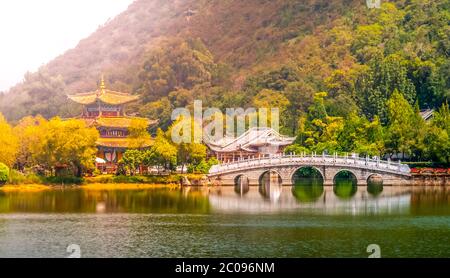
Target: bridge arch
x,y
296,170
352,174
345,184
241,184
270,185
270,172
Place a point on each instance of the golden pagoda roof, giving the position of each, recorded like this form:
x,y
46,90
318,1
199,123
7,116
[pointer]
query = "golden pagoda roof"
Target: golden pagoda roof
x,y
104,95
119,122
120,142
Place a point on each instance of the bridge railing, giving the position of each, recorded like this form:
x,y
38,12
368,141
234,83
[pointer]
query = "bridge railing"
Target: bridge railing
x,y
313,159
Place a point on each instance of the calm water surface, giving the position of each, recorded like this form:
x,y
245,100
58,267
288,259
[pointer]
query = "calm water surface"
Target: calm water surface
x,y
274,221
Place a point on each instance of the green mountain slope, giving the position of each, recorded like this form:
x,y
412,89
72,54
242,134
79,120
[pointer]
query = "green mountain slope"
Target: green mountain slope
x,y
240,53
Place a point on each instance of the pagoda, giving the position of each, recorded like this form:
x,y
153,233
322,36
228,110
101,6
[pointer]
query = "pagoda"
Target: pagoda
x,y
105,110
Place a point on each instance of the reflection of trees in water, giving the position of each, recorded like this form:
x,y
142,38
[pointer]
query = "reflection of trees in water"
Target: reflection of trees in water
x,y
307,184
345,185
374,189
375,185
430,200
307,193
88,201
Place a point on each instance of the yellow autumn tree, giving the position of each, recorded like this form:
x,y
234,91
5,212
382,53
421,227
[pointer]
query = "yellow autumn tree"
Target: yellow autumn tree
x,y
138,135
31,132
8,142
68,144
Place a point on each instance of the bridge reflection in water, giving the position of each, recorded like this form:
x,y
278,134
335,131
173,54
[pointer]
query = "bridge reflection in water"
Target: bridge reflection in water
x,y
312,199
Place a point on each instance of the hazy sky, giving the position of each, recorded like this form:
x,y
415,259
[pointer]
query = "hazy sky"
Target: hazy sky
x,y
32,32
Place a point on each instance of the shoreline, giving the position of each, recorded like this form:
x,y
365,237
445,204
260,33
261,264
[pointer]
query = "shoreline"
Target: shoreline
x,y
90,187
146,186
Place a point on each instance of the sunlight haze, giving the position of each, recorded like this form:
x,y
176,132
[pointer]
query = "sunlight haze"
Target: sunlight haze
x,y
34,32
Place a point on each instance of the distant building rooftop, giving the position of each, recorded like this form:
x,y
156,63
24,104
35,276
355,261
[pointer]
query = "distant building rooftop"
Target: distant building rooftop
x,y
251,140
427,114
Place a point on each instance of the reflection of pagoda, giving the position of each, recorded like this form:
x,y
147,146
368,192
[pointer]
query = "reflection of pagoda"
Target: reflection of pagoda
x,y
104,109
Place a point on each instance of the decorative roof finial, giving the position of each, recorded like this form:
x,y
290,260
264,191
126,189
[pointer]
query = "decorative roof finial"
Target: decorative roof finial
x,y
102,86
102,83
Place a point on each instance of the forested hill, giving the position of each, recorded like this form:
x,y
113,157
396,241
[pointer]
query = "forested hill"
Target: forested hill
x,y
258,52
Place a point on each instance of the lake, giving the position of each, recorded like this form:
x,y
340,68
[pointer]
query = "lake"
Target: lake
x,y
304,221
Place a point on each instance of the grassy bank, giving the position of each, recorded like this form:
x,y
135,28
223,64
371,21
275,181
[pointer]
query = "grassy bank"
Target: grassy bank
x,y
18,178
169,179
126,186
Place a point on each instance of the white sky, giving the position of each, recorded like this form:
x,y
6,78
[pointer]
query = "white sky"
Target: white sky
x,y
33,32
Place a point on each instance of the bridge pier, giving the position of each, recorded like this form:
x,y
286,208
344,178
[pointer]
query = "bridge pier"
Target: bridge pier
x,y
328,182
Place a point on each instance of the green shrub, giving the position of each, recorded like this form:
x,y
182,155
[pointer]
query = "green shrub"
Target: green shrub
x,y
17,177
63,180
100,179
203,167
128,179
4,173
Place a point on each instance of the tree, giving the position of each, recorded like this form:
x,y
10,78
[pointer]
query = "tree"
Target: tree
x,y
192,154
164,153
276,80
40,94
30,132
203,166
176,63
437,139
317,110
366,36
67,144
405,127
375,86
442,118
300,96
138,135
296,149
341,93
361,136
320,130
437,142
4,173
269,100
160,109
131,160
8,142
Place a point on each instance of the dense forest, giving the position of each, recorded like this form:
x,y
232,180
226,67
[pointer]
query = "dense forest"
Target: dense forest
x,y
345,77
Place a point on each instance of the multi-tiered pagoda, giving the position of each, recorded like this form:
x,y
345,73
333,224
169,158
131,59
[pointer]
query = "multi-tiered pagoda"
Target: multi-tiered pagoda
x,y
105,109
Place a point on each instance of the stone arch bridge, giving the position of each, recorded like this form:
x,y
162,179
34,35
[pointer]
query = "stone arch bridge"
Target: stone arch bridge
x,y
284,166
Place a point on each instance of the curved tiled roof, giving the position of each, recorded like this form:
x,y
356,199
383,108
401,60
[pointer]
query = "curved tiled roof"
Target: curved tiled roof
x,y
106,96
119,142
120,122
251,139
